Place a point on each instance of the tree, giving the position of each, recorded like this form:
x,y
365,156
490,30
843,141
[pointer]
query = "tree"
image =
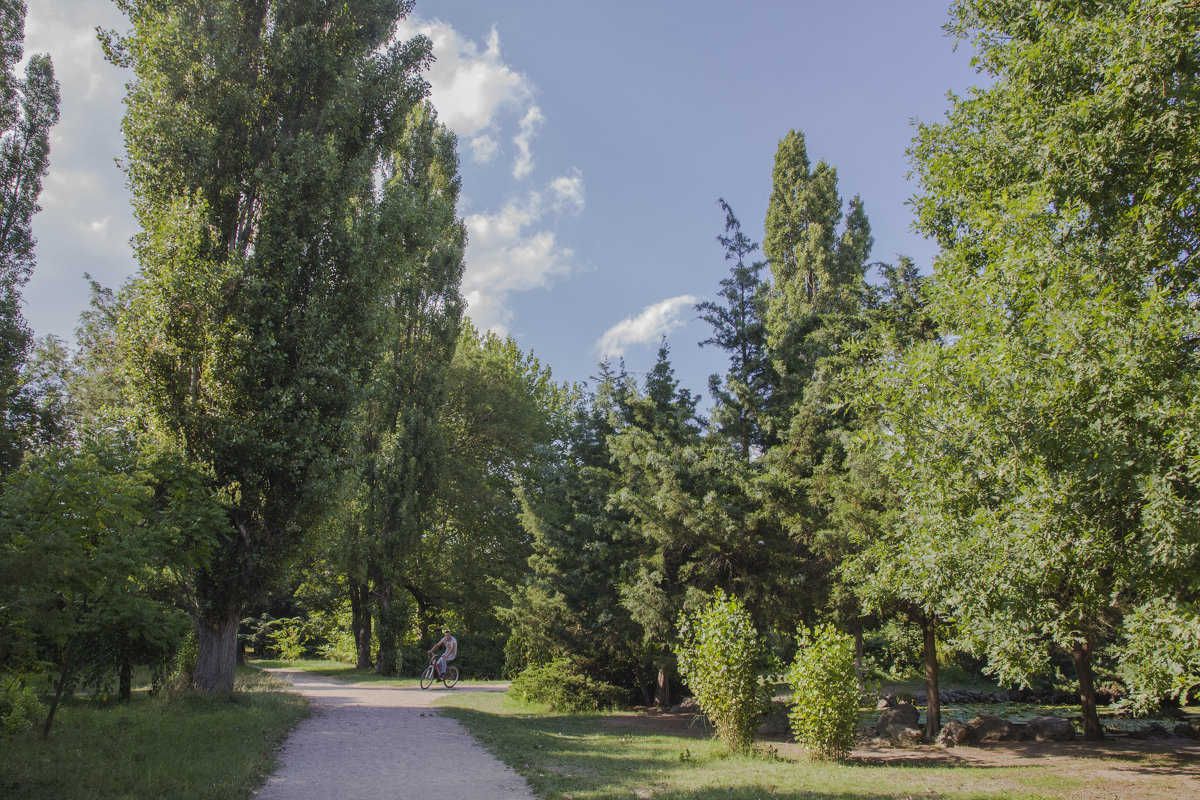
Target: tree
x,y
740,330
84,534
254,132
818,254
1050,450
28,109
419,244
568,604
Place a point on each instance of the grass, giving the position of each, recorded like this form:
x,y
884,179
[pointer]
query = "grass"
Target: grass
x,y
187,748
608,756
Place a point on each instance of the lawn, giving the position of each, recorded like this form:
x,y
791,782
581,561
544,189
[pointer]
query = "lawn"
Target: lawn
x,y
190,748
615,755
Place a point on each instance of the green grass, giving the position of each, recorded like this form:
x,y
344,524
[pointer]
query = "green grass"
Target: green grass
x,y
608,756
187,748
346,672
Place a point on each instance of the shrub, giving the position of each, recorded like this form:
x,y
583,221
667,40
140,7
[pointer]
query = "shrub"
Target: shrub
x,y
20,708
717,659
825,695
559,687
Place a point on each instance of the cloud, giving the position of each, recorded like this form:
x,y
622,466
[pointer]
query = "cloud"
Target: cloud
x,y
483,148
471,87
654,322
523,164
512,250
568,192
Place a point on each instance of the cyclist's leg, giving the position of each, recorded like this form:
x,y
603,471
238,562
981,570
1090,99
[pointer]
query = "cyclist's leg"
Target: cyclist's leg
x,y
441,666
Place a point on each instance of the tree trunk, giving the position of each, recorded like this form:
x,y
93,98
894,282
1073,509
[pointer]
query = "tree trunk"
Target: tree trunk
x,y
125,692
662,689
858,655
933,700
64,680
1092,730
385,661
217,653
360,623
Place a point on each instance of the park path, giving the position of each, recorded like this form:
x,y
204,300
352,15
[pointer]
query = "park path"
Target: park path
x,y
365,742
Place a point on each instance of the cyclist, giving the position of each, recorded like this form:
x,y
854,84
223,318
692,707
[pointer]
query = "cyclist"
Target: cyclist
x,y
449,647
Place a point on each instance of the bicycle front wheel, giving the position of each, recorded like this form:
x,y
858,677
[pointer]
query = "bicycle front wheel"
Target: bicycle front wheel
x,y
428,676
451,677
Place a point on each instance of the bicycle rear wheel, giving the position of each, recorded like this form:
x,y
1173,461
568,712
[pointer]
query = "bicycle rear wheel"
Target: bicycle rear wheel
x,y
451,677
428,676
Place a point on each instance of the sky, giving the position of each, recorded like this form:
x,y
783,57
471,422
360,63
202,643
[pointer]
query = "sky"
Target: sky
x,y
595,140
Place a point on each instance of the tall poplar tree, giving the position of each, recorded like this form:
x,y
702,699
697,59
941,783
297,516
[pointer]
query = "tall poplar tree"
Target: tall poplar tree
x,y
255,130
418,242
28,109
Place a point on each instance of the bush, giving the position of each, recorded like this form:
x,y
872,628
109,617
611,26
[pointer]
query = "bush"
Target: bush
x,y
20,708
825,695
717,659
560,688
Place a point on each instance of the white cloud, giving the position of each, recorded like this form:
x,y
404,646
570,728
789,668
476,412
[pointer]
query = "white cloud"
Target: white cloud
x,y
471,86
483,148
568,192
523,164
512,250
654,322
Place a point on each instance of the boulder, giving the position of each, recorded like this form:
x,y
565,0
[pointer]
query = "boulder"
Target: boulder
x,y
1049,729
903,714
954,734
1155,730
990,728
1188,729
902,735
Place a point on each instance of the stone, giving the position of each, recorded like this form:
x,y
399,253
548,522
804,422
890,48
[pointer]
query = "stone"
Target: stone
x,y
776,722
1155,730
903,714
990,728
1188,729
1049,729
955,734
902,735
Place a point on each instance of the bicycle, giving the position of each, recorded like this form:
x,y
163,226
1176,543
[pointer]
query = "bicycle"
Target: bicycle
x,y
449,679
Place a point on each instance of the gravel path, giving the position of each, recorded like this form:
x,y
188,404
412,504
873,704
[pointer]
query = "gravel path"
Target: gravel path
x,y
383,743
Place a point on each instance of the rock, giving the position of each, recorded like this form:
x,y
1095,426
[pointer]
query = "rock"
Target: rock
x,y
1049,729
990,728
689,705
1188,729
903,714
954,734
886,701
1155,730
902,735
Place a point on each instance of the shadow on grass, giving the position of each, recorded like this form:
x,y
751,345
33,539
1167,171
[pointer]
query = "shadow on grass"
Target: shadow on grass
x,y
600,756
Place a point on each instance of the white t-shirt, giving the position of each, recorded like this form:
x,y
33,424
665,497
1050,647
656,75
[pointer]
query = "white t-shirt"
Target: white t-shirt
x,y
451,649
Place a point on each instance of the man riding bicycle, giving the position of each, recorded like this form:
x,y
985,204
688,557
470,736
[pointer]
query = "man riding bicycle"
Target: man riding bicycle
x,y
449,647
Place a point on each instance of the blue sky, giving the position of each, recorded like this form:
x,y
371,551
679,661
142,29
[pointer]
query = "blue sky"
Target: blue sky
x,y
595,139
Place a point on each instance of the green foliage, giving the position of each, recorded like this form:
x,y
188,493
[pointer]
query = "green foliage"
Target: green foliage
x,y
28,109
288,638
1160,654
718,657
558,686
20,708
1048,458
255,134
825,693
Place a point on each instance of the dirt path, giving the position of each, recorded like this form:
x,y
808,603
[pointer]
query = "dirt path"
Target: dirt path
x,y
383,743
